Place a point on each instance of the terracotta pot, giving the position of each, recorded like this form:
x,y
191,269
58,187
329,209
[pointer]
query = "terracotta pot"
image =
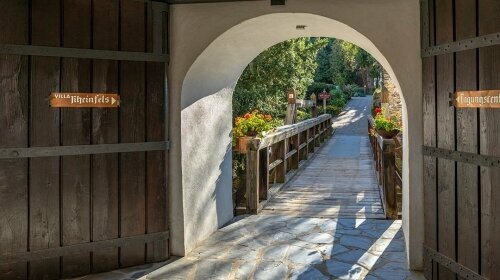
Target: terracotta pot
x,y
387,134
242,144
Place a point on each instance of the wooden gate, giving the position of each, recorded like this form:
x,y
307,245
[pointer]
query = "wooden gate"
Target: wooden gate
x,y
81,190
461,51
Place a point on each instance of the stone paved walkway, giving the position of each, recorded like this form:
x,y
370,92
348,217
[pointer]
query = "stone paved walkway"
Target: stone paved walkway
x,y
342,238
283,247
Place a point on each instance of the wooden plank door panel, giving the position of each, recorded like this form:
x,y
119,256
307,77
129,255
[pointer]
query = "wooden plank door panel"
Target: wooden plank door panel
x,y
45,132
132,129
489,78
50,203
14,122
156,170
467,141
105,130
445,135
461,195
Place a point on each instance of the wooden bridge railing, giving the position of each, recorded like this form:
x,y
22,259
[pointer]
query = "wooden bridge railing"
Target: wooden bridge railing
x,y
387,156
272,160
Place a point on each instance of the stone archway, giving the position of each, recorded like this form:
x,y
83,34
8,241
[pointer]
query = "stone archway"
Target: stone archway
x,y
201,88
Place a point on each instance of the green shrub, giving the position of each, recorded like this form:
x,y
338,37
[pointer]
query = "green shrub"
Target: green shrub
x,y
318,88
339,99
276,122
353,90
303,115
338,103
333,110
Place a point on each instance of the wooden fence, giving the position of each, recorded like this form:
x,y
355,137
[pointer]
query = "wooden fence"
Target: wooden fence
x,y
385,154
274,159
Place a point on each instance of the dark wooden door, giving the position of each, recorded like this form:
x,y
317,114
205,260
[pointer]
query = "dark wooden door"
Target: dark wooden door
x,y
81,190
462,146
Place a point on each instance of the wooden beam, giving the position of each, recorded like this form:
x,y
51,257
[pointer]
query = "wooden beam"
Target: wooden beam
x,y
81,53
74,150
83,247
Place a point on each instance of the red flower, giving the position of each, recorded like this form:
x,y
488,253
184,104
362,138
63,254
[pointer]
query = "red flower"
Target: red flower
x,y
378,110
247,116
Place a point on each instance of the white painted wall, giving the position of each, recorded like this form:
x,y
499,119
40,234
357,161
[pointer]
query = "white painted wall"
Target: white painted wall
x,y
211,44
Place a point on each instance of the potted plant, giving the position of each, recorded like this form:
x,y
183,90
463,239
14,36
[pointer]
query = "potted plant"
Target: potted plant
x,y
248,127
386,127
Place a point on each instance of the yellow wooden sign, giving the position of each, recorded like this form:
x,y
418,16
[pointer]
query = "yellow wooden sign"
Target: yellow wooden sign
x,y
477,99
84,100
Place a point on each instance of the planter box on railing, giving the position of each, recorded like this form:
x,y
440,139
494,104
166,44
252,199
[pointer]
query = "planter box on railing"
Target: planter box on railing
x,y
385,165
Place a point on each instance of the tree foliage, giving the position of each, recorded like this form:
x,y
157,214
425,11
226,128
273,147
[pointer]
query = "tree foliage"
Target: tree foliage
x,y
302,64
360,61
324,70
265,82
341,62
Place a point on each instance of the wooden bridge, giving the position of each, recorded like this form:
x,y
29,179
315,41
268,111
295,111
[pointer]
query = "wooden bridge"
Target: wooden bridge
x,y
299,171
340,181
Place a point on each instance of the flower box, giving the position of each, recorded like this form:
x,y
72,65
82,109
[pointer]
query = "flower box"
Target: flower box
x,y
388,134
242,144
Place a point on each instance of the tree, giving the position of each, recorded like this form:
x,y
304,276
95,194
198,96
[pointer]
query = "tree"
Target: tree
x,y
267,79
359,61
342,68
324,70
348,61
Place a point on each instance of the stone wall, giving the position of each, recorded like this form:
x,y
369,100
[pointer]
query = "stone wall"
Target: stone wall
x,y
391,96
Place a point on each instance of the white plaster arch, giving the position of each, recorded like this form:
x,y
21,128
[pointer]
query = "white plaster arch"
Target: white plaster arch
x,y
232,51
203,91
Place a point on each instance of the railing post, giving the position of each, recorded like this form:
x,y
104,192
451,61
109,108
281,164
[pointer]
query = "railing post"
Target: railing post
x,y
330,128
317,135
252,176
281,168
263,185
389,185
296,158
321,134
310,145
